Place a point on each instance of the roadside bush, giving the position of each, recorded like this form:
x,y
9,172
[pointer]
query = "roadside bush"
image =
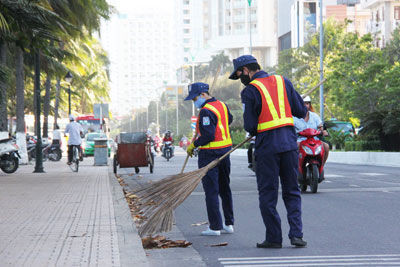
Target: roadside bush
x,y
349,145
362,145
338,139
238,136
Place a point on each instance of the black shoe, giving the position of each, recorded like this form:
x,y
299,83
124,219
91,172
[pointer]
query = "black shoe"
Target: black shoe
x,y
267,244
250,166
298,242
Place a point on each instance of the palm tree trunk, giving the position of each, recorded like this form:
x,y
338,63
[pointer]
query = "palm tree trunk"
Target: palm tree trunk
x,y
3,93
56,105
20,105
46,107
20,88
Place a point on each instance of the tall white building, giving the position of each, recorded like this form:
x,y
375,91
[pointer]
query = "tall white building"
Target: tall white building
x,y
385,17
298,20
223,25
229,24
140,44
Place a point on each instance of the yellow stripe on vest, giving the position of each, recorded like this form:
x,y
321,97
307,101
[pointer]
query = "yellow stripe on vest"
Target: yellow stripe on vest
x,y
227,141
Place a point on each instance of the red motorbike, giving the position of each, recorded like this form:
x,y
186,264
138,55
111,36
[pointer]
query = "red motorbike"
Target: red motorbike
x,y
157,144
311,157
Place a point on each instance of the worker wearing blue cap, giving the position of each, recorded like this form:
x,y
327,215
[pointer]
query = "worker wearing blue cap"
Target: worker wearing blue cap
x,y
213,141
269,103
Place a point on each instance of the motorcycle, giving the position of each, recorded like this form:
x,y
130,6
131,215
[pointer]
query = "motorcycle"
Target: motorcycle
x,y
184,144
168,150
156,145
9,156
50,151
311,156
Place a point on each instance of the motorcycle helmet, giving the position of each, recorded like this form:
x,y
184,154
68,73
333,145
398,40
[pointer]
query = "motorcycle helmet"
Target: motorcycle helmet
x,y
307,99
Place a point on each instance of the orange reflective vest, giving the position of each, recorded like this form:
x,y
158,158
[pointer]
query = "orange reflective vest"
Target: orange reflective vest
x,y
222,135
275,111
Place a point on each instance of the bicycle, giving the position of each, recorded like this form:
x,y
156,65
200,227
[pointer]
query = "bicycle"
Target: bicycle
x,y
75,159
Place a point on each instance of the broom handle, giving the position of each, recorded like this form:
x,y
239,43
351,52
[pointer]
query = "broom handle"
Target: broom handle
x,y
184,164
187,156
233,149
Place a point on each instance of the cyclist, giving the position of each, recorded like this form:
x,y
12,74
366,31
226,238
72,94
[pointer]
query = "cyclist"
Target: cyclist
x,y
74,130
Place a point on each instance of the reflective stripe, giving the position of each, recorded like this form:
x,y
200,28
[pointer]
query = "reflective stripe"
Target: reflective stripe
x,y
277,121
281,96
213,109
227,141
268,98
273,124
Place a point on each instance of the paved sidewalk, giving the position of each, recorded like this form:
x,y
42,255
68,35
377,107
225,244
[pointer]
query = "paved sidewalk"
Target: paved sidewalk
x,y
65,218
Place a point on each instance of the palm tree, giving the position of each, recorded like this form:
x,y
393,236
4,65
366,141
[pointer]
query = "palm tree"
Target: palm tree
x,y
3,87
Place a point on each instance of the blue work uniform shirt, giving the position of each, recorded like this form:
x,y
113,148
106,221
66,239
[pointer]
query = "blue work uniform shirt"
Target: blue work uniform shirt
x,y
276,140
207,123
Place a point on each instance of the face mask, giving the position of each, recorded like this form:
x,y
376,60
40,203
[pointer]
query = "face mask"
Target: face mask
x,y
199,102
245,79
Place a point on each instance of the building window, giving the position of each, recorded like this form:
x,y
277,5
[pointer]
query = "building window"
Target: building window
x,y
186,49
186,40
186,21
185,12
397,12
186,31
186,2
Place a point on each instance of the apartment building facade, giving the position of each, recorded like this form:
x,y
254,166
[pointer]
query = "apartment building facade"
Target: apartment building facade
x,y
224,25
384,18
140,46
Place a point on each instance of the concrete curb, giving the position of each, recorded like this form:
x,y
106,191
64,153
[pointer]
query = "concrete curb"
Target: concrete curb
x,y
388,159
130,245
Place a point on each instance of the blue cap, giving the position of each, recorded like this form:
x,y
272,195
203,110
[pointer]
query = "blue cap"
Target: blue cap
x,y
196,89
240,62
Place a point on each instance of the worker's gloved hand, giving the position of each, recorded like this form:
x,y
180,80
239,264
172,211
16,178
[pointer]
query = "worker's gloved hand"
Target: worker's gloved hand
x,y
190,149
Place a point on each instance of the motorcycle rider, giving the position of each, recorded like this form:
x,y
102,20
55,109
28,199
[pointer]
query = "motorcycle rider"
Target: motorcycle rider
x,y
74,129
184,142
167,138
156,143
312,120
57,135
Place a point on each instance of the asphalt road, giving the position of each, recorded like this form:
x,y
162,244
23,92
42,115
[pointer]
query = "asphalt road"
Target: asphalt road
x,y
353,220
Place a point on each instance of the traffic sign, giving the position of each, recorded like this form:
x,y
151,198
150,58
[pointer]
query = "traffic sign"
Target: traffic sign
x,y
193,120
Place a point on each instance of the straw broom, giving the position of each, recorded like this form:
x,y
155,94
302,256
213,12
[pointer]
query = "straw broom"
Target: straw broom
x,y
159,200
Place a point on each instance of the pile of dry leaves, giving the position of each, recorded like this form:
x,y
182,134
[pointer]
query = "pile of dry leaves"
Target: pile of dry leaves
x,y
148,242
162,242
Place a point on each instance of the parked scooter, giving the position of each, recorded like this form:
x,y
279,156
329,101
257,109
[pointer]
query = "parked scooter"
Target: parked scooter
x,y
50,151
168,151
311,157
9,161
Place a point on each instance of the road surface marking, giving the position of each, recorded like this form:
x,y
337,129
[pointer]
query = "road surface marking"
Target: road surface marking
x,y
333,175
372,173
354,185
342,260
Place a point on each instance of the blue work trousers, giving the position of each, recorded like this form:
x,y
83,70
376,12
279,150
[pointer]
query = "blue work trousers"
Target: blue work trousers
x,y
268,170
216,183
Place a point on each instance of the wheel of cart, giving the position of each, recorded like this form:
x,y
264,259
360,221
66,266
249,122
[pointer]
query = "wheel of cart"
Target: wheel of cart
x,y
134,151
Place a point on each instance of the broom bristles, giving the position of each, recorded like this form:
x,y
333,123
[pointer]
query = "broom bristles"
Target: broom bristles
x,y
158,200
